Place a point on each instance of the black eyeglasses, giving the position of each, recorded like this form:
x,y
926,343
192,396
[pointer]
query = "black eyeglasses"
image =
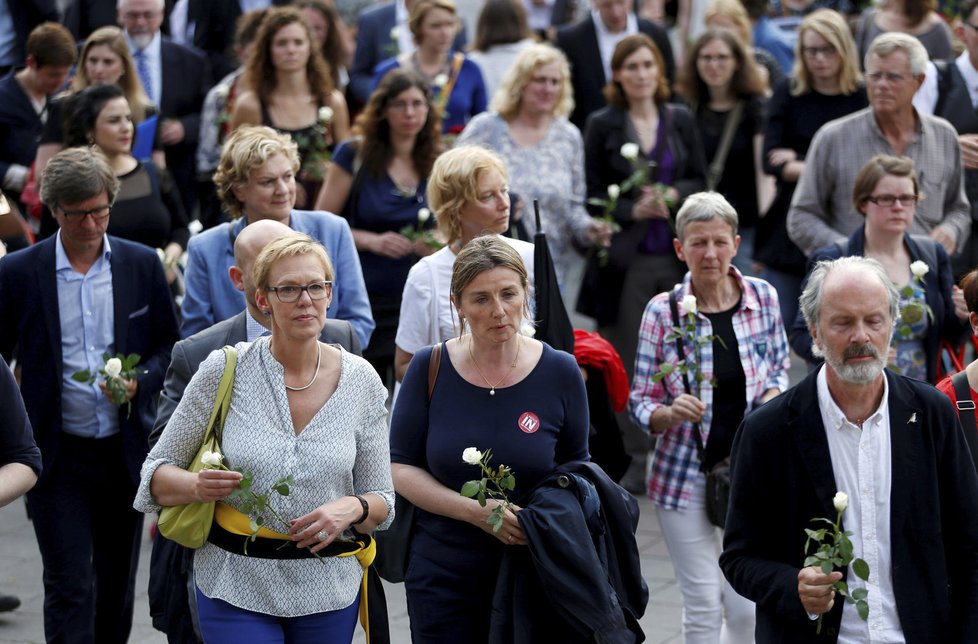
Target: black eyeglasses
x,y
292,292
887,201
99,212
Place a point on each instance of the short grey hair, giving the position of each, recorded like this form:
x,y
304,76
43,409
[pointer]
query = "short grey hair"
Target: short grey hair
x,y
705,206
810,301
891,41
77,174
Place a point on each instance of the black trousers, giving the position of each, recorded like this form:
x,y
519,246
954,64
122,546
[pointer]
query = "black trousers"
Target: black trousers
x,y
88,534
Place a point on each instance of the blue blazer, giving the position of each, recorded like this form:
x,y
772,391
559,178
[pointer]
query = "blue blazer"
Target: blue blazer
x,y
374,45
938,285
30,329
782,478
211,297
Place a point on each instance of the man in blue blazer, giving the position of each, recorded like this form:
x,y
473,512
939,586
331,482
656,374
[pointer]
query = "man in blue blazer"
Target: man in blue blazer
x,y
894,446
63,303
376,43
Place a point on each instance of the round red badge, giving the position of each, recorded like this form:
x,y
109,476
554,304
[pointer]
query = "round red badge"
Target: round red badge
x,y
529,422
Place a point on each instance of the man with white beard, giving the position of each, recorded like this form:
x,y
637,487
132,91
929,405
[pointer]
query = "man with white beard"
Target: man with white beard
x,y
894,446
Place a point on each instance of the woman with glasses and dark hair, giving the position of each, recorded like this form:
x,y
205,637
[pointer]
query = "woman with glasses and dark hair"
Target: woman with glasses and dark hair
x,y
299,408
886,193
377,181
824,85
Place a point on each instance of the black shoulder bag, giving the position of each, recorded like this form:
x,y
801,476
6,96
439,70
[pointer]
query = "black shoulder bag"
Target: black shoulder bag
x,y
718,478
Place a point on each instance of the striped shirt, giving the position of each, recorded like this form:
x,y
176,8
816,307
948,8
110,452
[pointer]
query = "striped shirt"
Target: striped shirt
x,y
763,348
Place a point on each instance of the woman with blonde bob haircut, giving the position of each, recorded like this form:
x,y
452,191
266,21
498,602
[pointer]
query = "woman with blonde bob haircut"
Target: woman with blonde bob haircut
x,y
824,85
339,463
468,191
529,130
247,149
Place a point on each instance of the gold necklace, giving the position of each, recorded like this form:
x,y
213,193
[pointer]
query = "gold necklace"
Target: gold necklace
x,y
319,362
492,387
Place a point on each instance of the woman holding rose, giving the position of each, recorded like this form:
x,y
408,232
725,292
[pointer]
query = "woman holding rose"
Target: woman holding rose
x,y
886,193
742,356
495,389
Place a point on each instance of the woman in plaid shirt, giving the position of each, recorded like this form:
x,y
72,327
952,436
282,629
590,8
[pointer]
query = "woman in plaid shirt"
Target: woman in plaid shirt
x,y
737,360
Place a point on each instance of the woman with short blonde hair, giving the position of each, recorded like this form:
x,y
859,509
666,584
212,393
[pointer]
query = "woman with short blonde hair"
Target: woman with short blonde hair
x,y
247,149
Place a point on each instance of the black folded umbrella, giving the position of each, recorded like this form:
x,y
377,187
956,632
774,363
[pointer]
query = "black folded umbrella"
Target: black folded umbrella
x,y
553,324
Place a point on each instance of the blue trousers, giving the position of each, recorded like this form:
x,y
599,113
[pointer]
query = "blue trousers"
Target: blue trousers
x,y
223,623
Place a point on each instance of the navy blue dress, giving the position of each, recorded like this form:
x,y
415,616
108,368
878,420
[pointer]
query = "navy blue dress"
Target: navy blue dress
x,y
532,426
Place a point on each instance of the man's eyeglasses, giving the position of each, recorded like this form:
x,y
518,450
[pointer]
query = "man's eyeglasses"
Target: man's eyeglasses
x,y
99,212
292,292
887,201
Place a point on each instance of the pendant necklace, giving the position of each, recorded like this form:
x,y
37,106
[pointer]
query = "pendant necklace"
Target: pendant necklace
x,y
492,387
319,361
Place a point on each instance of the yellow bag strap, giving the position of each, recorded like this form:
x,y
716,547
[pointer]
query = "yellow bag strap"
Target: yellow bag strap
x,y
222,402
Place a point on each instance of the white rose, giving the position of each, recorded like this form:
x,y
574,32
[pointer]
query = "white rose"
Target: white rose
x,y
471,455
919,268
394,33
613,191
113,367
840,501
423,215
211,458
325,114
440,80
630,151
162,255
688,305
222,92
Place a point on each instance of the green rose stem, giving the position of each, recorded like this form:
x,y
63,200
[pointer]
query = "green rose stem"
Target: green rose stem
x,y
493,484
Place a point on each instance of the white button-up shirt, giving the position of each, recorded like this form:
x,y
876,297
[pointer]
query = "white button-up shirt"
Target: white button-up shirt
x,y
862,464
607,41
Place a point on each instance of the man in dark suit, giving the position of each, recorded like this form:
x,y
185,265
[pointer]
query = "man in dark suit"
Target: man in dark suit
x,y
63,303
171,564
176,78
377,41
894,446
589,44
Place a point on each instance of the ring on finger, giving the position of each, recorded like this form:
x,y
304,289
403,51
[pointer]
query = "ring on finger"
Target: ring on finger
x,y
322,535
511,538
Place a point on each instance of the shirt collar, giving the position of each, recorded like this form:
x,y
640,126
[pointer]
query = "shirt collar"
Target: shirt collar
x,y
61,261
831,410
631,26
254,328
400,12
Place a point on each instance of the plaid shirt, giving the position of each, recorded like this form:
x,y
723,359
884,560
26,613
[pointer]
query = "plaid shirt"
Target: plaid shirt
x,y
763,348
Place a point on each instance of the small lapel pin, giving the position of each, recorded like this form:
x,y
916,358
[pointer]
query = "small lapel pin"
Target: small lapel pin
x,y
913,418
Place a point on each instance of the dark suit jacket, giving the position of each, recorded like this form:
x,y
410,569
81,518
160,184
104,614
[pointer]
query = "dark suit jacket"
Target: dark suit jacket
x,y
186,80
937,290
27,14
190,352
782,478
82,17
579,42
374,45
145,323
20,128
604,165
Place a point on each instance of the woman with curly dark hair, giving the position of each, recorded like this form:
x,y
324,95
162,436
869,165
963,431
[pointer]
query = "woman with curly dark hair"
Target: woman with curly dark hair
x,y
726,89
290,89
377,182
327,28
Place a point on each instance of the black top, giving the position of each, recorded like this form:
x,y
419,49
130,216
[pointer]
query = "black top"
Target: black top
x,y
148,210
16,437
728,396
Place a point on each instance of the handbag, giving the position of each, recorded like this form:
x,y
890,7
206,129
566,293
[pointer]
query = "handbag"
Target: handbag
x,y
190,524
394,543
718,476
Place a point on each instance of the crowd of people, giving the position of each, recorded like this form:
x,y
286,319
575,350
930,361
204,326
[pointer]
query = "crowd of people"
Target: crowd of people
x,y
378,221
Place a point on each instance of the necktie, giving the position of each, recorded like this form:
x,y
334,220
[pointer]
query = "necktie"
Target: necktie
x,y
142,68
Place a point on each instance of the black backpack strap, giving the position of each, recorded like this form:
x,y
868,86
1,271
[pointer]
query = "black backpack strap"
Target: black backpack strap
x,y
681,354
966,412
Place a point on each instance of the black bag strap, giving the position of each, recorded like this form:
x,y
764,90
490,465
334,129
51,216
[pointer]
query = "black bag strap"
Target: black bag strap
x,y
681,351
715,171
966,412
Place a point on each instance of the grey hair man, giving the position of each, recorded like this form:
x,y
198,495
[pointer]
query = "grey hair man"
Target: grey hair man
x,y
821,211
894,446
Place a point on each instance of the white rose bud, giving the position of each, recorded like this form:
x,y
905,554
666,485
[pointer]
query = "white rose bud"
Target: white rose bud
x,y
840,501
440,80
919,268
630,151
688,305
423,215
162,255
613,191
113,367
222,92
471,455
394,33
325,114
211,458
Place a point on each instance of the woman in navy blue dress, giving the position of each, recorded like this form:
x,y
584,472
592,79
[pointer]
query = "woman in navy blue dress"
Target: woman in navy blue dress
x,y
495,389
377,182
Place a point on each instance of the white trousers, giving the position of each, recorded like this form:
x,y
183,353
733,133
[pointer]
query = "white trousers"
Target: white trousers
x,y
712,612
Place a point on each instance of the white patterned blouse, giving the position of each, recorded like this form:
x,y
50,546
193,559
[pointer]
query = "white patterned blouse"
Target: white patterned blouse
x,y
342,451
